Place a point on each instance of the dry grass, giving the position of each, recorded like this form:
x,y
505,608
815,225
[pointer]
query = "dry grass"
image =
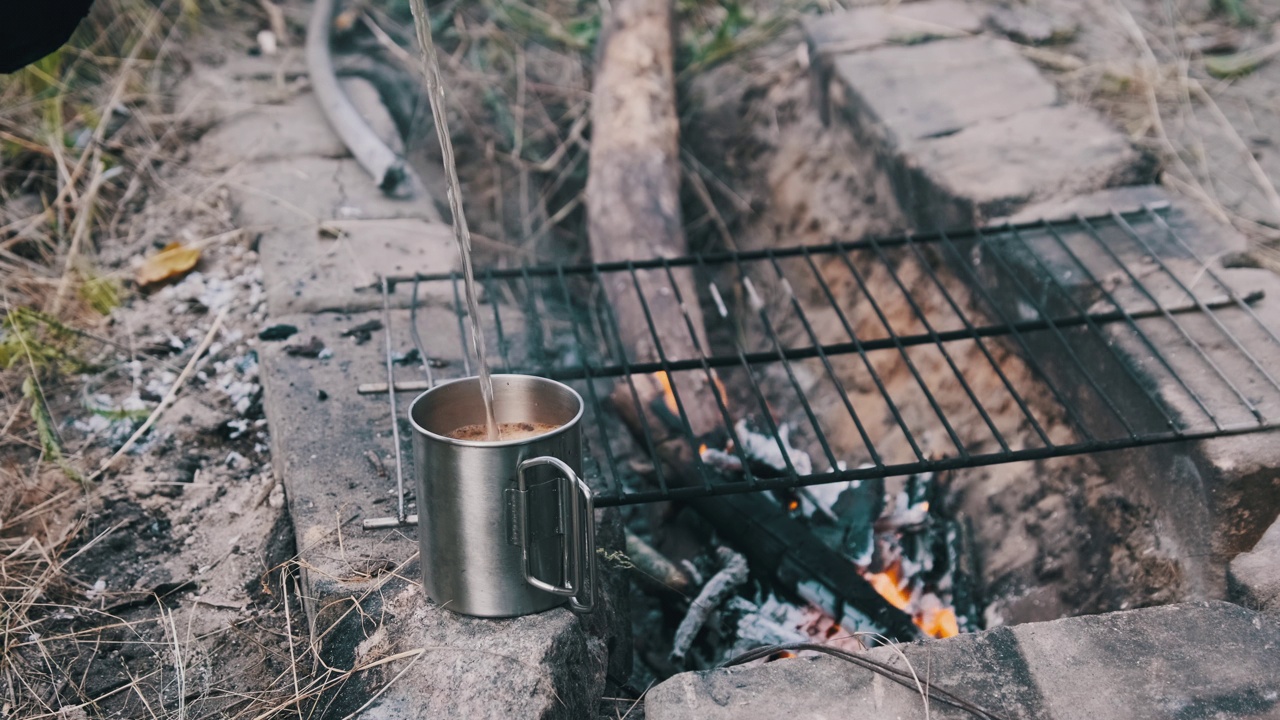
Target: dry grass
x,y
1158,88
83,133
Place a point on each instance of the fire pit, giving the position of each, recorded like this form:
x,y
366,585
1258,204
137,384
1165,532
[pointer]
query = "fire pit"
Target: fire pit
x,y
843,405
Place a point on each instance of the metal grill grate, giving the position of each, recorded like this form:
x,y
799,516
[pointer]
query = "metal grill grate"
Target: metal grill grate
x,y
879,357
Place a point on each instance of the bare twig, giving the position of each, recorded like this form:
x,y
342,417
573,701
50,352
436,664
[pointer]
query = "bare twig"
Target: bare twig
x,y
733,574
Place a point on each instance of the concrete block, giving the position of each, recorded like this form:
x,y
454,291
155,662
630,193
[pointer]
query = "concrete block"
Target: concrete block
x,y
991,168
901,24
224,83
307,191
900,95
309,271
1253,578
1196,660
1033,25
293,129
332,450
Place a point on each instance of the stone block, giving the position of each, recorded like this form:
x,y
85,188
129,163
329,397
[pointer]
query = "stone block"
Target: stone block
x,y
1034,25
1253,578
308,191
332,449
1196,660
292,129
902,24
991,168
306,270
903,94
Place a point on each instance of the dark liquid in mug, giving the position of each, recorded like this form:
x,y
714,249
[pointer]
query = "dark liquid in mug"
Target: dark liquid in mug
x,y
506,431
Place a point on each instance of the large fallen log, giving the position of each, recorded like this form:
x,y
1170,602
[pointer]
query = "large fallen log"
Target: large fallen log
x,y
633,189
633,204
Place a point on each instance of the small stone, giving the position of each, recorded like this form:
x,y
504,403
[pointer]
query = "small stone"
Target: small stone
x,y
278,332
364,331
1033,25
312,349
142,489
276,498
1253,578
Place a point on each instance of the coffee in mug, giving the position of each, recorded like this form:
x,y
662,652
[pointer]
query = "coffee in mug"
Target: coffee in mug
x,y
507,432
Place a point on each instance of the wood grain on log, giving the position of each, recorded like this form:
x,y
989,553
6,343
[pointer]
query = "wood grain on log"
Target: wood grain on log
x,y
633,195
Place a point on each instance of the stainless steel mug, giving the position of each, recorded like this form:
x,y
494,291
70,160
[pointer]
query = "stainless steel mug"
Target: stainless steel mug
x,y
505,528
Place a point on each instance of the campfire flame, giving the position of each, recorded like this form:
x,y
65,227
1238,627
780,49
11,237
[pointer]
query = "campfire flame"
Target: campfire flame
x,y
927,611
669,396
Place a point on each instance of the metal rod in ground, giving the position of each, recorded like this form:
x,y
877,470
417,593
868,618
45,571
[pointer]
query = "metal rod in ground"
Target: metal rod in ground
x,y
733,573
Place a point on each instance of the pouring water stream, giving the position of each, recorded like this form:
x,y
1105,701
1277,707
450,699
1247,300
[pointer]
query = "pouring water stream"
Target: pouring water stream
x,y
461,233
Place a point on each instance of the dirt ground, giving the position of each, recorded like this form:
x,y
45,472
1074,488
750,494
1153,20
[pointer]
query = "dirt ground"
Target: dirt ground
x,y
164,586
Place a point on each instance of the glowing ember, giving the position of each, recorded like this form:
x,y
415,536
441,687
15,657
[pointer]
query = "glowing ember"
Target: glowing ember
x,y
887,584
668,396
927,610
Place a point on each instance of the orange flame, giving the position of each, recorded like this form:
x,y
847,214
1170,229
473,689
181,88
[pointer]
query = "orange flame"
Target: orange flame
x,y
668,396
939,623
936,620
887,584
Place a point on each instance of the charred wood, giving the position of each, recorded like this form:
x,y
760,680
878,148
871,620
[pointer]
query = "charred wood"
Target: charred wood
x,y
732,575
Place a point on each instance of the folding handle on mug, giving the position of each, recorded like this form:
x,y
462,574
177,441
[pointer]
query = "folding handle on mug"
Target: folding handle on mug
x,y
579,561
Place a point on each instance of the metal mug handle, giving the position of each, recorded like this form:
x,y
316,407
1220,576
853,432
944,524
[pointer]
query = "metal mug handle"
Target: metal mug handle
x,y
579,562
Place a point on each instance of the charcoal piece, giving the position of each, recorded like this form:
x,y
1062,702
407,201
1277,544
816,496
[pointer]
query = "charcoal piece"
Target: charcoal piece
x,y
413,357
858,508
311,349
278,332
363,332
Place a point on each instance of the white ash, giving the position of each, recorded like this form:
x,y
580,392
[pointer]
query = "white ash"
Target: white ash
x,y
823,497
764,448
238,427
237,379
235,460
771,622
97,590
160,383
722,460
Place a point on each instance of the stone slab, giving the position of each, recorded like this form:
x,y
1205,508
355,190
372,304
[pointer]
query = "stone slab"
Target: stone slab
x,y
295,128
332,449
1253,578
292,129
903,24
900,95
305,270
309,191
1191,661
997,166
1211,499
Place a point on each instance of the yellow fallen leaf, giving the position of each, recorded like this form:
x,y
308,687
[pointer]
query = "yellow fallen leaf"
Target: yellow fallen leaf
x,y
175,260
